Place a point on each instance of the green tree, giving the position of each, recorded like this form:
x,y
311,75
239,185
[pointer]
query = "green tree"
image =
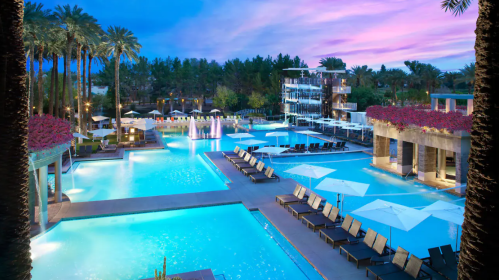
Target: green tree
x,y
224,97
468,76
256,100
452,78
97,51
120,41
395,77
364,97
479,244
361,74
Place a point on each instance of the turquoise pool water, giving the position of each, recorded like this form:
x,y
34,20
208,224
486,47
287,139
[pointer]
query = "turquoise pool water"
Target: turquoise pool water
x,y
132,246
180,168
355,167
272,126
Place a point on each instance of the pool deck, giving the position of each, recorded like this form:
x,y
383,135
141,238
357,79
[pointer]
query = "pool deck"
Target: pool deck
x,y
260,196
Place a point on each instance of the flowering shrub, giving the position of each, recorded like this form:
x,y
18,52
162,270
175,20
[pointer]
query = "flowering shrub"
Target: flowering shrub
x,y
401,117
46,132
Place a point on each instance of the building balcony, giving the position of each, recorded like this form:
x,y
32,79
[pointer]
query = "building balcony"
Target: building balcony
x,y
342,90
345,106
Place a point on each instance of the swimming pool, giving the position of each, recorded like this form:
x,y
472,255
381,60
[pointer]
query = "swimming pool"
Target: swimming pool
x,y
355,167
180,168
271,126
132,246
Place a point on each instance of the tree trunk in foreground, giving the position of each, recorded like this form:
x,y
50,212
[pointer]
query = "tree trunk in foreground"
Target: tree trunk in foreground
x,y
117,93
479,242
15,257
40,80
63,97
89,114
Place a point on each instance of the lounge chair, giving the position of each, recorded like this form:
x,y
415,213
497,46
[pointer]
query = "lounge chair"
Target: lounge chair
x,y
355,245
255,148
239,155
343,146
377,250
269,174
327,219
437,263
313,206
397,264
293,195
235,152
300,198
108,148
311,147
302,148
246,159
316,146
296,148
412,271
249,164
449,255
325,146
340,234
259,169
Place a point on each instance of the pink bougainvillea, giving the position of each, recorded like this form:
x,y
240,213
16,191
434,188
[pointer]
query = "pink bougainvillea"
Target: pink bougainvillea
x,y
401,117
46,132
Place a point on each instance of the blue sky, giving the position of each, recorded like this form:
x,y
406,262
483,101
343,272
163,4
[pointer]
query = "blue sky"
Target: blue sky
x,y
371,32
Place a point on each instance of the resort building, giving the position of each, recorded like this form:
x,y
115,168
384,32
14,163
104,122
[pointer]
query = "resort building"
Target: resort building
x,y
436,158
315,97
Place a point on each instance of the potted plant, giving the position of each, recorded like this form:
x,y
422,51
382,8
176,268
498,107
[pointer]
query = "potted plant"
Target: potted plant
x,y
250,123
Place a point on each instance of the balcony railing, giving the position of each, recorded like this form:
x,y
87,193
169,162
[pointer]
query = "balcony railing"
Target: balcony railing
x,y
342,90
345,106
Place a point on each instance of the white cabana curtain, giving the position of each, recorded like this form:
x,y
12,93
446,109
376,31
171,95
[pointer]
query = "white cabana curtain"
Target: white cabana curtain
x,y
358,117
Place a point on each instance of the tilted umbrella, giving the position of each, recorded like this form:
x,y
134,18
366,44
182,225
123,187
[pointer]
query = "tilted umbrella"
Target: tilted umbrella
x,y
392,215
99,118
343,187
448,212
132,113
271,151
277,134
78,135
310,171
251,142
101,132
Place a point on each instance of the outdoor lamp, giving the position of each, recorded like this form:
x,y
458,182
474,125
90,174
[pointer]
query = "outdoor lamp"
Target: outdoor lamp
x,y
120,106
66,108
132,130
132,137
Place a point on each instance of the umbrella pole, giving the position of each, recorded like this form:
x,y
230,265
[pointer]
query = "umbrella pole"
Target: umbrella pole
x,y
342,200
310,183
338,200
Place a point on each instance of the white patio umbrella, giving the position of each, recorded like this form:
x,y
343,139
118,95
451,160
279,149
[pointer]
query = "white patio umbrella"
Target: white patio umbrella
x,y
277,134
448,212
195,111
101,132
99,118
348,128
310,171
335,124
308,132
271,151
144,125
215,111
251,142
127,120
392,215
343,187
132,113
78,135
154,113
240,135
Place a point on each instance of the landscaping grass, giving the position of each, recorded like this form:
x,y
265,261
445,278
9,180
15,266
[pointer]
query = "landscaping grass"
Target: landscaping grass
x,y
96,143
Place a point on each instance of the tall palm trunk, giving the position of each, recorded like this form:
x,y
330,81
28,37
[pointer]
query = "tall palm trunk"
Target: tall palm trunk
x,y
63,97
31,78
479,243
78,87
15,257
70,85
51,92
89,114
40,80
83,93
117,93
56,81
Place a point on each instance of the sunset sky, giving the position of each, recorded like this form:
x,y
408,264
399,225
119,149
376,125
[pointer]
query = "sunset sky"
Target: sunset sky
x,y
371,32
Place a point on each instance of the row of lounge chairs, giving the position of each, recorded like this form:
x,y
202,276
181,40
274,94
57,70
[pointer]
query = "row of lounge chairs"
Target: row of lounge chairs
x,y
248,165
348,236
85,150
316,147
197,119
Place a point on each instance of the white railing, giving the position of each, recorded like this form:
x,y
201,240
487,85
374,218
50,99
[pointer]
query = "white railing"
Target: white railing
x,y
345,106
342,90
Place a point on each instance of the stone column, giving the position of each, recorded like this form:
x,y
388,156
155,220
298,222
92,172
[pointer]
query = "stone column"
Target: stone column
x,y
58,176
469,107
447,105
450,105
434,104
427,163
442,163
32,198
43,185
404,157
461,171
381,150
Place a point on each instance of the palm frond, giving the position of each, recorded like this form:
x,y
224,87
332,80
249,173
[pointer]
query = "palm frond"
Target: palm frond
x,y
457,7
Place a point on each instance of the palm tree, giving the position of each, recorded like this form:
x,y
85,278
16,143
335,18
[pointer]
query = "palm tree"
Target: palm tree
x,y
120,41
361,73
333,63
77,26
36,21
431,75
479,244
15,257
452,77
54,48
95,51
395,77
416,68
468,75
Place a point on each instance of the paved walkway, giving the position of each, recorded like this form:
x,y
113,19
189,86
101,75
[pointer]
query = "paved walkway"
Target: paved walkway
x,y
260,196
